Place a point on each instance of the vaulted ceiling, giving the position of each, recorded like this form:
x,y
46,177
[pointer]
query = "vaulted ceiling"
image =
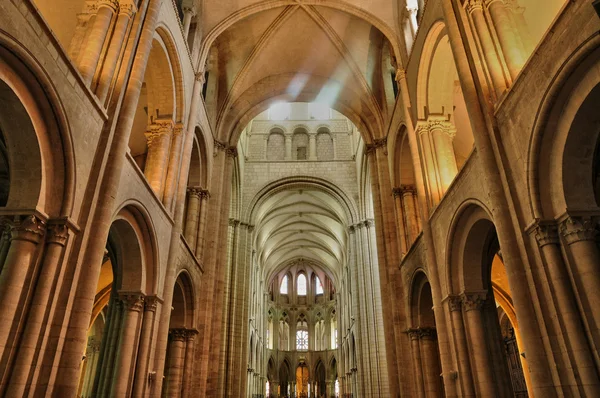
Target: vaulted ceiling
x,y
298,50
301,223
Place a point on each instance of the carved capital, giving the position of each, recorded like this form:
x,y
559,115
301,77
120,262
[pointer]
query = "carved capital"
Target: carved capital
x,y
127,7
473,301
190,334
178,334
577,229
474,5
231,152
400,74
57,233
408,190
427,333
133,301
233,222
178,129
112,4
445,126
150,303
351,229
413,333
189,10
454,303
368,223
195,191
546,234
378,143
158,130
29,228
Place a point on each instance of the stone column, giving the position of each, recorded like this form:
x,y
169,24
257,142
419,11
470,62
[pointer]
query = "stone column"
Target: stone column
x,y
474,304
431,365
188,366
133,305
520,25
312,146
204,196
475,10
548,240
56,238
127,10
580,234
509,40
288,147
141,373
159,145
96,39
402,233
188,14
460,343
410,212
442,134
427,157
173,167
92,353
26,233
192,216
109,348
413,335
176,359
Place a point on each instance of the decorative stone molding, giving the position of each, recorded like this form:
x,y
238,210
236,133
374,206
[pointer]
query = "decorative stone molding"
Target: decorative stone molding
x,y
112,4
546,234
178,129
178,334
189,10
368,223
134,302
190,334
230,151
151,302
127,7
400,74
577,229
158,129
57,233
351,229
195,191
473,301
413,333
408,189
233,222
29,228
431,125
474,5
454,303
396,192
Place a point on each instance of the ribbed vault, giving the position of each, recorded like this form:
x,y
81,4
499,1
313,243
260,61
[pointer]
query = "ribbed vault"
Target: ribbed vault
x,y
301,222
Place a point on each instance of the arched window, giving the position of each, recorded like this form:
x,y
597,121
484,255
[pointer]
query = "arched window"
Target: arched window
x,y
301,285
319,287
302,334
283,288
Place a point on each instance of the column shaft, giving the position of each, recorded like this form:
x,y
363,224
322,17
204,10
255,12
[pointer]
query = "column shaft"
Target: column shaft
x,y
410,213
312,147
188,366
288,147
173,167
413,334
141,372
202,224
133,305
461,346
192,216
91,54
431,367
188,14
509,40
488,49
402,233
159,145
176,359
442,135
478,342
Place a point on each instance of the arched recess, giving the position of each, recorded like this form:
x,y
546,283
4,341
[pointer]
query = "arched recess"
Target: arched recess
x,y
443,126
179,360
320,379
476,273
426,359
300,150
276,145
325,146
563,152
285,378
127,276
159,118
33,123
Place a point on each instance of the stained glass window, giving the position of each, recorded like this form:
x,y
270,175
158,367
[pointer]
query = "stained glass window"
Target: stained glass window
x,y
319,286
283,289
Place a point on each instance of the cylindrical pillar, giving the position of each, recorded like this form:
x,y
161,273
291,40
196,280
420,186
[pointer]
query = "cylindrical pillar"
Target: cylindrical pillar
x,y
312,146
442,134
188,14
159,145
428,159
127,9
413,335
402,234
473,304
192,216
288,147
141,372
494,67
410,212
509,40
133,305
109,348
26,233
176,359
431,363
91,54
56,239
461,345
201,238
188,366
173,167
